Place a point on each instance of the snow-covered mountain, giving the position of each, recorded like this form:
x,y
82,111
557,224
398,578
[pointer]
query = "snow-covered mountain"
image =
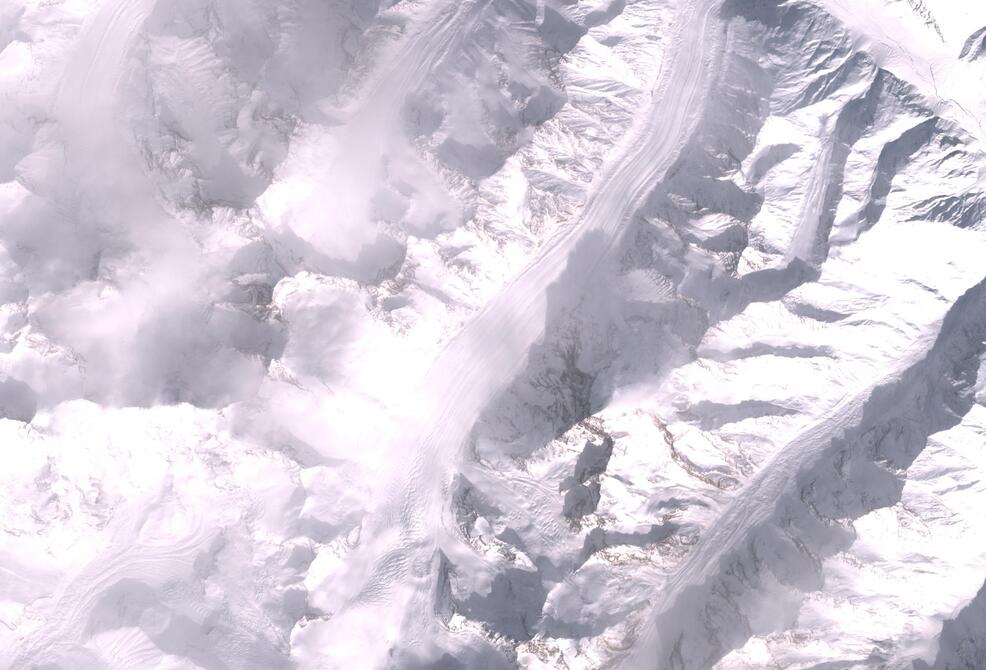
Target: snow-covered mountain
x,y
441,334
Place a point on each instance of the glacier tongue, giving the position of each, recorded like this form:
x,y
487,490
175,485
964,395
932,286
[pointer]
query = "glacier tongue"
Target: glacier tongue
x,y
492,333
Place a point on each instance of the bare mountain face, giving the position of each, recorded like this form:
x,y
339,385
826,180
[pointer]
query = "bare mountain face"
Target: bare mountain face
x,y
492,334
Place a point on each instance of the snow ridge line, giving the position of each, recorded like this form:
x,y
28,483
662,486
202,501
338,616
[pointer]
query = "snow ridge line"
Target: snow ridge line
x,y
784,516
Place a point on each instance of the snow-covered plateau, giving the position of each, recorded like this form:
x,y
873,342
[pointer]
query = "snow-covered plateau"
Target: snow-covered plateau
x,y
491,334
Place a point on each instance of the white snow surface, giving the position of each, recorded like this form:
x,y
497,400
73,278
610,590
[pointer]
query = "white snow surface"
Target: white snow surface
x,y
453,334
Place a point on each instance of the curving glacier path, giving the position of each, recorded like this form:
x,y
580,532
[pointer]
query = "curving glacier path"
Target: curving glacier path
x,y
398,551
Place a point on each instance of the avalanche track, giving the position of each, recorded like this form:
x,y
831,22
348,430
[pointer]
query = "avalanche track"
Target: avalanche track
x,y
399,545
805,238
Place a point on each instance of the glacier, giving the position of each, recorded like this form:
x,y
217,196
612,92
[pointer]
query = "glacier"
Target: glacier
x,y
446,334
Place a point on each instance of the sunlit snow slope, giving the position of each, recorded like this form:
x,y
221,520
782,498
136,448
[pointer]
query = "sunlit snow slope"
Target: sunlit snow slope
x,y
454,334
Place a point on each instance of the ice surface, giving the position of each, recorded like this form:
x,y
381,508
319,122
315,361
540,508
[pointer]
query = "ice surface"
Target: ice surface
x,y
441,334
